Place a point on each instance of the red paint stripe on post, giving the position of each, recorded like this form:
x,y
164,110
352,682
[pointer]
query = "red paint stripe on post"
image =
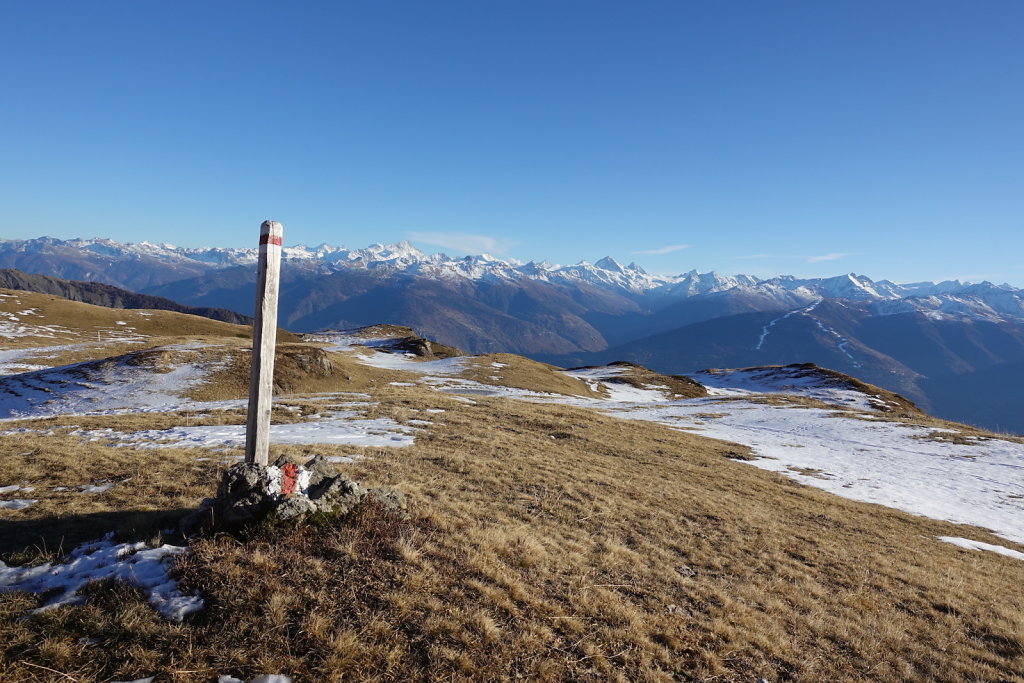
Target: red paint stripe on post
x,y
270,239
289,477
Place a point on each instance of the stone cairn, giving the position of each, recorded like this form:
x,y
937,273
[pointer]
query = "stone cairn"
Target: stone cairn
x,y
250,493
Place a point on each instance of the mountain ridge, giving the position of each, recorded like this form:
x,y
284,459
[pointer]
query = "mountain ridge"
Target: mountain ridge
x,y
950,297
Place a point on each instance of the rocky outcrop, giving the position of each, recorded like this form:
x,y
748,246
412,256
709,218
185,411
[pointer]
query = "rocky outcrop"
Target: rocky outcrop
x,y
424,348
285,491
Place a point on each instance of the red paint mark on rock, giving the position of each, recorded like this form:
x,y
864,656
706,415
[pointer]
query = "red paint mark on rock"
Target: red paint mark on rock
x,y
289,475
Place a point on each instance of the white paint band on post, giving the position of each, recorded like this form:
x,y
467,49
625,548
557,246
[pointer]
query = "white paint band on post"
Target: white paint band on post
x,y
264,339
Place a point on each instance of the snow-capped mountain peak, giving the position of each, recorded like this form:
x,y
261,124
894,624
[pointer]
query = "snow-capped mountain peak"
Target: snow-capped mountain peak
x,y
948,298
608,263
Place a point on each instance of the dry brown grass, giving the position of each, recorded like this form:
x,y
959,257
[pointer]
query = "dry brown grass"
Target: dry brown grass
x,y
547,543
85,319
523,373
299,369
151,488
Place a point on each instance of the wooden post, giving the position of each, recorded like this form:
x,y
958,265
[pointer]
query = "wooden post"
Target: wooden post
x,y
264,337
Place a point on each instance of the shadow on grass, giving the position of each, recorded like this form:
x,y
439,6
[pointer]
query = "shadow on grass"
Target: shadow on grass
x,y
48,538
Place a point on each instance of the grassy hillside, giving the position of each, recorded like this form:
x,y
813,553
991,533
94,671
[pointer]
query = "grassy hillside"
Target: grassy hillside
x,y
544,542
67,331
102,294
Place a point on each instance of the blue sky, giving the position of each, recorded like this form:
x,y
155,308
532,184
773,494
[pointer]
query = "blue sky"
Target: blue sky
x,y
812,138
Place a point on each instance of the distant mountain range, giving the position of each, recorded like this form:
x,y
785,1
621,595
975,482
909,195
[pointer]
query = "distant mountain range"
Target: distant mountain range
x,y
956,348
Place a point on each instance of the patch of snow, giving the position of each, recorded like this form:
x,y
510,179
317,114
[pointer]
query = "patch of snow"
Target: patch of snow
x,y
808,382
346,341
842,344
344,458
767,328
17,503
97,488
349,339
94,388
336,427
599,379
409,363
968,544
11,360
13,328
132,563
628,394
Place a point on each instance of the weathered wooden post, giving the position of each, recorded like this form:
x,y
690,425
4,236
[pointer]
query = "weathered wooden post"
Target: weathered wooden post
x,y
264,337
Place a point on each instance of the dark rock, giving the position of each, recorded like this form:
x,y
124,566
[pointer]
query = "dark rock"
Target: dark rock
x,y
320,468
424,348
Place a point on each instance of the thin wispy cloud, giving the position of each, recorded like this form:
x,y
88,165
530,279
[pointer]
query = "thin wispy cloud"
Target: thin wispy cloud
x,y
664,250
462,241
835,256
